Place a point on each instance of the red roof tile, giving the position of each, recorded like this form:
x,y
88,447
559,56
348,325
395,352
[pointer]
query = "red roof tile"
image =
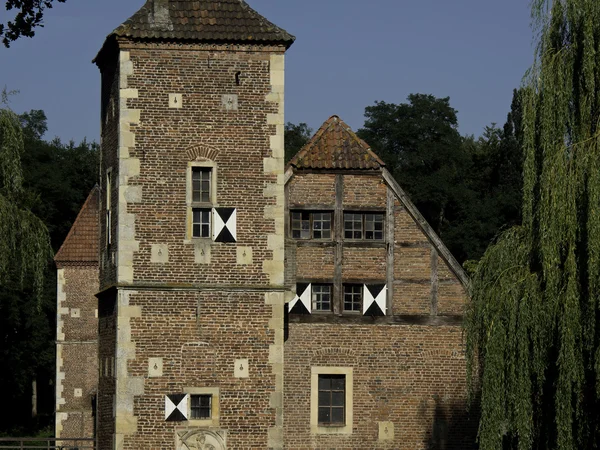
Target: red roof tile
x,y
81,244
336,146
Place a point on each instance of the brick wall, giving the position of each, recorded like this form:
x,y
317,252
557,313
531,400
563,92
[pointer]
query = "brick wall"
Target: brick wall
x,y
77,343
178,305
312,189
411,376
408,367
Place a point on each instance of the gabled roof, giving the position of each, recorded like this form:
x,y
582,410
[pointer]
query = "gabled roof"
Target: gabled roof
x,y
81,244
336,146
231,21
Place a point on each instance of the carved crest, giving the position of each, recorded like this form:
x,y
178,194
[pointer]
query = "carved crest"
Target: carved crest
x,y
195,439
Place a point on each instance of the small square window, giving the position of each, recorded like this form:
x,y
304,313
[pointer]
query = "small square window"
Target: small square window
x,y
321,297
332,400
301,225
201,184
200,407
353,296
353,226
201,223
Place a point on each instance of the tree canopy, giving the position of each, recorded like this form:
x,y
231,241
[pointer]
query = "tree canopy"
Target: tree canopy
x,y
296,137
532,332
29,16
45,182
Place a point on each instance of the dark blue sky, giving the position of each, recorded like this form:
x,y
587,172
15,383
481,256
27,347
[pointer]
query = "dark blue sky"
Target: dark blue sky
x,y
348,54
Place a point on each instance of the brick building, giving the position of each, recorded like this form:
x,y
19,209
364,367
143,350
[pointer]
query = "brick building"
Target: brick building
x,y
204,237
77,324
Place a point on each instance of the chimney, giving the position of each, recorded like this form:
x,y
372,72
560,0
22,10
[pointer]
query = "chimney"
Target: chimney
x,y
159,16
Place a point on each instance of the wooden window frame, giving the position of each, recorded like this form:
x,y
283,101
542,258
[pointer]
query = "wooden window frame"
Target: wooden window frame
x,y
311,225
360,294
326,400
346,427
193,207
314,302
363,223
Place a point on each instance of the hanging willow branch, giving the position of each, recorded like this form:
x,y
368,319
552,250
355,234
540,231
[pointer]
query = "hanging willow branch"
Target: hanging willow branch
x,y
24,240
532,333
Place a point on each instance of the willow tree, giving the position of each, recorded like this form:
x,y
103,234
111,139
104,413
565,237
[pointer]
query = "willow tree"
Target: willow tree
x,y
24,243
532,328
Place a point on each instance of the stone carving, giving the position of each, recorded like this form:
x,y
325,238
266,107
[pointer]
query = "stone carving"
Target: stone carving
x,y
200,440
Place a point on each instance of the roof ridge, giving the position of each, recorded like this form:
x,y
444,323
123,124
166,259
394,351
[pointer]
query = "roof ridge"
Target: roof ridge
x,y
58,258
343,149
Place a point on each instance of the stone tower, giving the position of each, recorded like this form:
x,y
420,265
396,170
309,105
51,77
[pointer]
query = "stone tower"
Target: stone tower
x,y
191,300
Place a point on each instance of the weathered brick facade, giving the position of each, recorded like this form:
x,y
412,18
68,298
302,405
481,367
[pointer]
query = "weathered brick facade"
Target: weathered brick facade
x,y
192,88
195,275
407,363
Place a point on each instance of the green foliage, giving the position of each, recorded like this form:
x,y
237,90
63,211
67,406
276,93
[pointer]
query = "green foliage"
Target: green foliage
x,y
296,137
29,16
464,187
50,181
24,243
532,335
421,146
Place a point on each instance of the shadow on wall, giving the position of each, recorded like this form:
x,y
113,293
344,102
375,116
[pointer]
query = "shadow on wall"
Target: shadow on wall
x,y
454,426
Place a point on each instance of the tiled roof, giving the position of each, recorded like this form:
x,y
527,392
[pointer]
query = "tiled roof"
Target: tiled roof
x,y
202,20
81,244
336,146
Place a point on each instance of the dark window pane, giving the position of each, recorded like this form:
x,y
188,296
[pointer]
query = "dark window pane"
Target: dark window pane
x,y
338,382
337,415
324,398
332,400
201,406
324,382
325,415
337,398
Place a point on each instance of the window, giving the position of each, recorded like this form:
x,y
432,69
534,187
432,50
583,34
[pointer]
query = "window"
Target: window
x,y
203,406
108,207
311,225
321,297
200,406
201,222
353,296
201,199
321,225
301,225
353,226
331,409
368,226
201,185
332,400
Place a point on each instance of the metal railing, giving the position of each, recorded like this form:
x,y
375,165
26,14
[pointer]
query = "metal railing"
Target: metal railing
x,y
48,443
